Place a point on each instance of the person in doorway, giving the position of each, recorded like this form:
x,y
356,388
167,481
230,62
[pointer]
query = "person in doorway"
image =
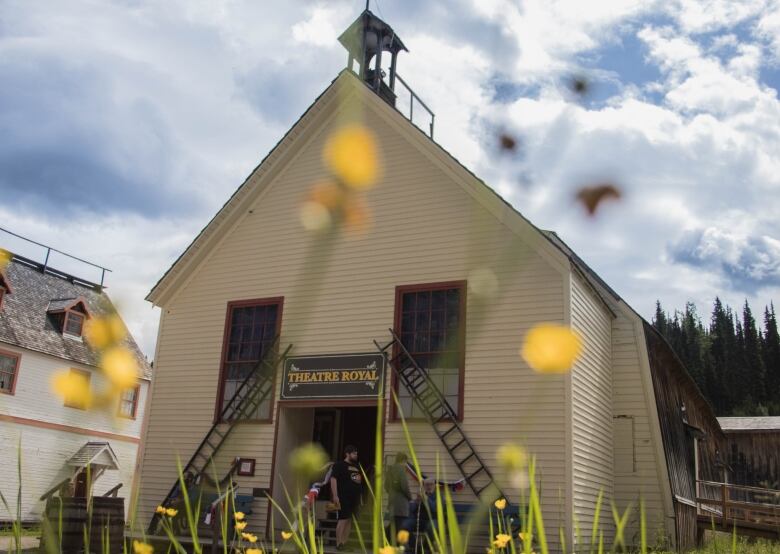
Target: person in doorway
x,y
398,495
346,483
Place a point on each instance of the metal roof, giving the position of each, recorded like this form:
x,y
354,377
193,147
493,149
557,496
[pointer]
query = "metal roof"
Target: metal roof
x,y
94,453
762,423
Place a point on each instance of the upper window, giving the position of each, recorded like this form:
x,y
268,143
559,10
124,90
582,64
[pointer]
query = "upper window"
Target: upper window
x,y
9,369
249,334
128,402
5,287
74,323
430,319
2,294
77,400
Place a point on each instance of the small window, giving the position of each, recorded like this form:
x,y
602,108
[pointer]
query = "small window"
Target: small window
x,y
2,294
74,323
624,447
9,367
78,402
128,402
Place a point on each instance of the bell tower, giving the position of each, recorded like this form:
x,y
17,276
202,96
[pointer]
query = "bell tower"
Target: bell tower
x,y
370,41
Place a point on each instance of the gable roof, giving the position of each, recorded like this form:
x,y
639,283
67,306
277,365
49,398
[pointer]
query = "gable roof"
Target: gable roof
x,y
25,320
94,453
318,113
62,304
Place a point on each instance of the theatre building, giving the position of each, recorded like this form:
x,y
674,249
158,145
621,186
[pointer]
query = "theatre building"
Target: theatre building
x,y
460,277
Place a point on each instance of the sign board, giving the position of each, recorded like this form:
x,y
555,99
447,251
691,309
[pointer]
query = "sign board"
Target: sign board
x,y
333,376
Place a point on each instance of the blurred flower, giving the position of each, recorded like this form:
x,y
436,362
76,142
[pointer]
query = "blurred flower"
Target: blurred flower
x,y
142,548
249,537
351,153
483,282
102,332
5,258
253,551
308,460
160,509
507,142
502,540
386,550
512,457
314,216
120,366
592,197
239,516
73,387
286,535
171,512
356,215
240,525
500,504
403,536
550,348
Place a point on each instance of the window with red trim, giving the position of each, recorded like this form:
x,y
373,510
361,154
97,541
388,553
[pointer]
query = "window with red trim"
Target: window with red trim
x,y
430,321
74,323
128,402
9,368
250,332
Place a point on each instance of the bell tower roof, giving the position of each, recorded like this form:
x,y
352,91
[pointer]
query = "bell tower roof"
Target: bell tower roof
x,y
352,38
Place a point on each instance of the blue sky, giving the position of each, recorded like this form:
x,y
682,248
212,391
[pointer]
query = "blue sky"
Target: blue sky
x,y
125,126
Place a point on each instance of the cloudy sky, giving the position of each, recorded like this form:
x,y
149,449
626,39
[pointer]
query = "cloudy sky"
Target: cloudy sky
x,y
125,126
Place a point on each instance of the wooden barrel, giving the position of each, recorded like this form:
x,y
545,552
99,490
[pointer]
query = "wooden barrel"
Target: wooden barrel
x,y
69,518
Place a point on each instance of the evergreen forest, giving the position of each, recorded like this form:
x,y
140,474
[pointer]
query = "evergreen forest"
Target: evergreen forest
x,y
734,360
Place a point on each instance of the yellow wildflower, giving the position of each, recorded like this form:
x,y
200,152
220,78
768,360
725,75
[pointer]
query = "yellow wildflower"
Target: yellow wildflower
x,y
170,512
102,332
512,457
142,548
308,460
403,536
286,535
73,387
314,216
550,348
120,366
5,258
387,550
240,525
502,540
160,509
249,537
523,536
239,516
500,504
253,551
351,153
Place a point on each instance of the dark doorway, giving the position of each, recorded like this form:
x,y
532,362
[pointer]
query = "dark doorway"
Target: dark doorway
x,y
335,428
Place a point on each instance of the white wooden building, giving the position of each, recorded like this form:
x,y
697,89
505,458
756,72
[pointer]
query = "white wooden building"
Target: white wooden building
x,y
442,244
42,316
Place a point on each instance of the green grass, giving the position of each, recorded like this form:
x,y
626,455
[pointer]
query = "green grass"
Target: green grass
x,y
448,536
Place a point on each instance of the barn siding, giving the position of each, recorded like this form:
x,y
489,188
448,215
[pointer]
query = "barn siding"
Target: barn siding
x,y
629,398
340,297
591,408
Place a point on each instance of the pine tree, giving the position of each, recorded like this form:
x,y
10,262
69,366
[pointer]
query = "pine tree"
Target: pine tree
x,y
770,354
754,371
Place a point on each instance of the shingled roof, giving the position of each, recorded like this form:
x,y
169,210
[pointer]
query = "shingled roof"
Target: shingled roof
x,y
25,322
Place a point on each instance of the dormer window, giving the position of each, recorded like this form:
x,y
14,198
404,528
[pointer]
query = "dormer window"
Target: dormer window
x,y
69,315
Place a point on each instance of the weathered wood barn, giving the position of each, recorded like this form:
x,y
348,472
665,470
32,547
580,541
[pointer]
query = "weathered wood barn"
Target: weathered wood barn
x,y
753,450
460,277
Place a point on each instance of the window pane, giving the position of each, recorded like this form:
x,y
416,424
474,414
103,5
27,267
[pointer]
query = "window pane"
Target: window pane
x,y
8,363
7,372
73,323
430,330
252,329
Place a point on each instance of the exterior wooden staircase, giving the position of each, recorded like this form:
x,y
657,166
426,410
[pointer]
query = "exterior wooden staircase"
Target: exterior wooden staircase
x,y
441,416
257,386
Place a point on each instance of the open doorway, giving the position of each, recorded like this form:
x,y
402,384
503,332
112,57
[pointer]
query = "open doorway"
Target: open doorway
x,y
335,428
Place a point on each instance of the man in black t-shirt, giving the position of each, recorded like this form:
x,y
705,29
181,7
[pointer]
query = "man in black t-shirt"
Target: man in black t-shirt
x,y
346,482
